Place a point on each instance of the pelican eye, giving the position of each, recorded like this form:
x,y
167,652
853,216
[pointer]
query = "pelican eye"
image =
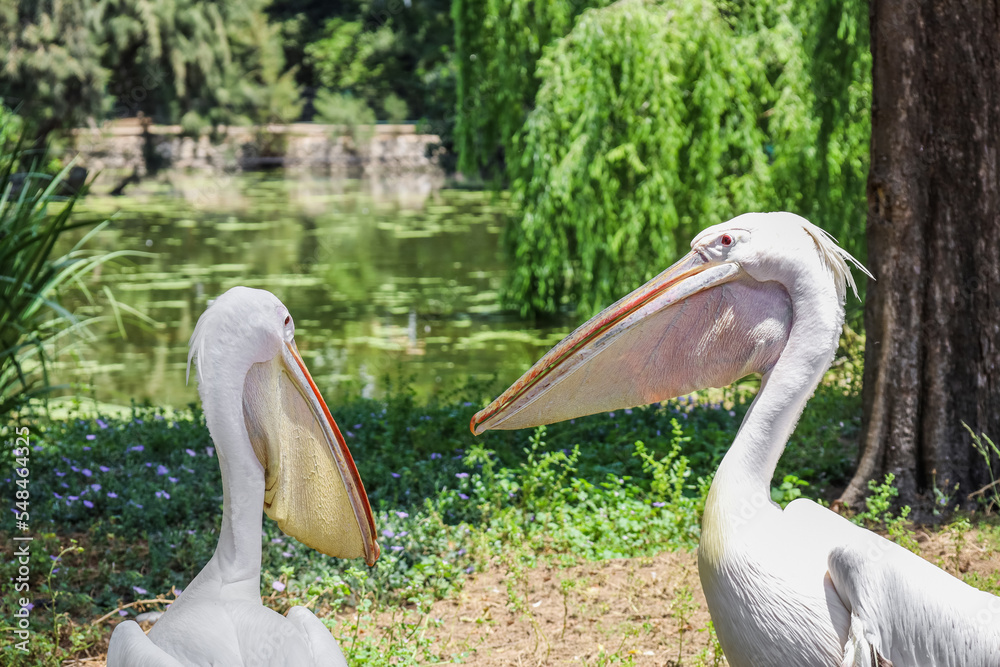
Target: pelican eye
x,y
288,318
727,240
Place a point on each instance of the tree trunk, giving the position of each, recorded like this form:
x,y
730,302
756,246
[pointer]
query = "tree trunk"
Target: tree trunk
x,y
932,316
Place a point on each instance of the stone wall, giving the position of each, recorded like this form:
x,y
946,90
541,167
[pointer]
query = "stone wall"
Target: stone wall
x,y
131,146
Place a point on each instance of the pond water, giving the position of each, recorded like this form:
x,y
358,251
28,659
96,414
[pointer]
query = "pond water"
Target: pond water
x,y
392,279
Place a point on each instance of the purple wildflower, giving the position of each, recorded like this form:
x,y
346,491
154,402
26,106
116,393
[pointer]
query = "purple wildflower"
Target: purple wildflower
x,y
402,515
95,487
388,534
102,423
86,472
395,475
396,547
461,475
658,504
463,496
112,494
278,586
88,504
191,452
161,469
91,436
136,448
172,479
140,590
104,468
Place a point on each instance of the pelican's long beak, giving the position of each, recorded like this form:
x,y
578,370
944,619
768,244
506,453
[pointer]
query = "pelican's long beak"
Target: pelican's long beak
x,y
313,489
616,347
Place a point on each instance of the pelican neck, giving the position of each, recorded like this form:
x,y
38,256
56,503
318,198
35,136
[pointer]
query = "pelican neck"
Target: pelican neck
x,y
744,477
236,561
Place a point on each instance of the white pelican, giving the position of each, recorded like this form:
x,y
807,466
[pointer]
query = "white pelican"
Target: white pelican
x,y
799,587
280,450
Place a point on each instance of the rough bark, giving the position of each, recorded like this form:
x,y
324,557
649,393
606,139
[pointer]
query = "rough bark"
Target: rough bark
x,y
932,316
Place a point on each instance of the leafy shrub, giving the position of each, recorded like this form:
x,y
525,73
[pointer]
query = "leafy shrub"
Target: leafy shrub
x,y
35,213
350,112
395,108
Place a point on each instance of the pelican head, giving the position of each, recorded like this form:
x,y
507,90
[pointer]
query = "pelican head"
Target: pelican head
x,y
780,247
721,312
256,389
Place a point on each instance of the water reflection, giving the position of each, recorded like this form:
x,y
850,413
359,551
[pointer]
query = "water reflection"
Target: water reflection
x,y
380,277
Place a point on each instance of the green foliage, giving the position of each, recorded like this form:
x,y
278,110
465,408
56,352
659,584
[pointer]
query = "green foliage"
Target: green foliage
x,y
394,56
498,44
34,214
789,489
878,513
206,64
644,129
52,67
83,60
395,108
990,494
173,58
652,120
344,110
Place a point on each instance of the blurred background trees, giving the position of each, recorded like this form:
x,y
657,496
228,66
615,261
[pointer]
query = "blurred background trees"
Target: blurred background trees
x,y
620,128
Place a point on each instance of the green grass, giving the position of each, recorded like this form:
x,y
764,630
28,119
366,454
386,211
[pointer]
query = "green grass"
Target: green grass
x,y
128,508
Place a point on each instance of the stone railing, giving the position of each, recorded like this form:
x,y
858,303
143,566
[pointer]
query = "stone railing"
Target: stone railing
x,y
131,145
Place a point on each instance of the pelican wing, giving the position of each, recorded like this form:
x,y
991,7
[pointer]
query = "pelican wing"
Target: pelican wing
x,y
130,647
907,612
687,329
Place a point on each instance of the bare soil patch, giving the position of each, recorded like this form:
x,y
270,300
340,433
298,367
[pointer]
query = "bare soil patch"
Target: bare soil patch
x,y
651,610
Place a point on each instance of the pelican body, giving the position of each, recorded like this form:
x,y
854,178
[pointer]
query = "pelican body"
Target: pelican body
x,y
280,451
802,587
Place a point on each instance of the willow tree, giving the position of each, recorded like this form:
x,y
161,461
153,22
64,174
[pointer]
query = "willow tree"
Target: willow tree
x,y
497,45
645,129
656,119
